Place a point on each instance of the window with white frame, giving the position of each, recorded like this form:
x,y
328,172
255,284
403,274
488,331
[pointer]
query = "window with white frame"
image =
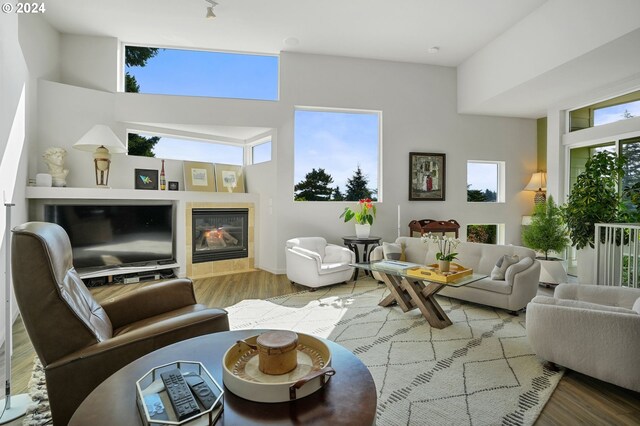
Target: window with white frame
x,y
485,181
183,72
260,152
337,154
181,148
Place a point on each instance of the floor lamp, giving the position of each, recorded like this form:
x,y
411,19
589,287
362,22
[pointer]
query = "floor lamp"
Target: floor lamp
x,y
11,406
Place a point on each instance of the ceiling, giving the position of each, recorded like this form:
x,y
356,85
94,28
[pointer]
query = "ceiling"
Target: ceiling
x,y
513,57
402,30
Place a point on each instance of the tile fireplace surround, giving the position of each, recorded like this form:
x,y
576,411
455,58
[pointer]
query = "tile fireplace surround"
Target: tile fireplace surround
x,y
219,267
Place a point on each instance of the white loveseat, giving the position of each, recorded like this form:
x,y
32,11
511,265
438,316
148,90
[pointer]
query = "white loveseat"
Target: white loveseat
x,y
314,263
513,293
592,329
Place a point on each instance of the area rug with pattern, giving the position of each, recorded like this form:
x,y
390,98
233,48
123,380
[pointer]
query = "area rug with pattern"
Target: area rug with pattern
x,y
478,371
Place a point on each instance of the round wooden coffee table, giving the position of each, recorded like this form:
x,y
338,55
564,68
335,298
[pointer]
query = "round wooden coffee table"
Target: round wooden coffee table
x,y
349,398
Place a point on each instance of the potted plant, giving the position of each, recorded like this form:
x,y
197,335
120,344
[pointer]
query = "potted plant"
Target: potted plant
x,y
594,198
547,233
363,215
446,247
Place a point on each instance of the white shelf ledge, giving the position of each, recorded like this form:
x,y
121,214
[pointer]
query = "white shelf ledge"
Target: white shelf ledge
x,y
53,193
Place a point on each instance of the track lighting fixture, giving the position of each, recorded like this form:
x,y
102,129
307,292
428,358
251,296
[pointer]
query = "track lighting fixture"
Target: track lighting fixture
x,y
210,13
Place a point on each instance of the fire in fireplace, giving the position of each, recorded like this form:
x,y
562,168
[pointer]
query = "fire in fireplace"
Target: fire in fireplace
x,y
219,234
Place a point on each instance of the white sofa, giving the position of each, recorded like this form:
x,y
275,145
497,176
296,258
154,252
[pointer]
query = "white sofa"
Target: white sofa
x,y
314,263
518,288
591,329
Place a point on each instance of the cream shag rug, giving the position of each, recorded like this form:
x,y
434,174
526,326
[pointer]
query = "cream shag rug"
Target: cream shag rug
x,y
38,412
478,371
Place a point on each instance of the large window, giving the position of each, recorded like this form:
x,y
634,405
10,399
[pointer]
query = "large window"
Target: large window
x,y
336,155
200,73
176,148
485,181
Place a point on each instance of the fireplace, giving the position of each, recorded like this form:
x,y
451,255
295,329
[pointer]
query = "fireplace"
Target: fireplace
x,y
219,234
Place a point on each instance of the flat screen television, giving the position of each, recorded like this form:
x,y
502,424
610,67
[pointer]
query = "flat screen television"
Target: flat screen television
x,y
115,236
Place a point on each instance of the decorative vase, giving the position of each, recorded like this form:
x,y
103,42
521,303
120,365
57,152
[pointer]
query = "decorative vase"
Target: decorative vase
x,y
444,265
362,231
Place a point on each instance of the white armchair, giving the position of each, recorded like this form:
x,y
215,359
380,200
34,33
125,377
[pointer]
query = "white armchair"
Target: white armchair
x,y
314,263
592,329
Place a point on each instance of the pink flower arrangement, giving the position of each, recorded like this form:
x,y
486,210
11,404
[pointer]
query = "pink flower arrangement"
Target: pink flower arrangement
x,y
365,215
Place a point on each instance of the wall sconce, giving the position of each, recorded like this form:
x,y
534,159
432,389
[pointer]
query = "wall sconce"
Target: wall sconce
x,y
538,183
102,142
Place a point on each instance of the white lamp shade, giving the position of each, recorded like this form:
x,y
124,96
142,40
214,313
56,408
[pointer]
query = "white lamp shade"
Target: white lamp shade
x,y
100,135
538,181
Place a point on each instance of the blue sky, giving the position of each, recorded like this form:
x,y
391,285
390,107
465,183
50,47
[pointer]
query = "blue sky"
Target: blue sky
x,y
191,150
615,113
336,142
482,176
214,74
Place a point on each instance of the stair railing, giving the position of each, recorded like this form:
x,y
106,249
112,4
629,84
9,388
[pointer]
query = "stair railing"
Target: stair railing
x,y
617,254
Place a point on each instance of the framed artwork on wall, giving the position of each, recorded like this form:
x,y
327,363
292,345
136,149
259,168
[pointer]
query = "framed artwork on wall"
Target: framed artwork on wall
x,y
146,179
229,178
198,176
427,176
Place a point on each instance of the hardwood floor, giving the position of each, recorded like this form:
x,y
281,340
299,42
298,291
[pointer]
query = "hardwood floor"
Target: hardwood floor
x,y
578,399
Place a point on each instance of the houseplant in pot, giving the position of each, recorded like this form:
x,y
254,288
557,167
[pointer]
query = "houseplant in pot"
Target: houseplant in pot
x,y
547,233
363,216
594,198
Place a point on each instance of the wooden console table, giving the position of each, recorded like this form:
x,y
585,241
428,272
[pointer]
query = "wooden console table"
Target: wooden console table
x,y
424,226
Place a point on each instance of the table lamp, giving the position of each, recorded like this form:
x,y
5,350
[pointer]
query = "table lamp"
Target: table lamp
x,y
102,142
538,183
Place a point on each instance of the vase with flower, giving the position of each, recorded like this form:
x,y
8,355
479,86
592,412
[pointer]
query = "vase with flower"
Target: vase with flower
x,y
446,247
363,215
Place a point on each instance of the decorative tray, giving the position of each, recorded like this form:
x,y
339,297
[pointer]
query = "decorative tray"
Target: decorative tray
x,y
155,407
432,273
241,375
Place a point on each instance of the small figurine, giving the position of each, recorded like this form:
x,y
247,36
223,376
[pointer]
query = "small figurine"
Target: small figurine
x,y
54,158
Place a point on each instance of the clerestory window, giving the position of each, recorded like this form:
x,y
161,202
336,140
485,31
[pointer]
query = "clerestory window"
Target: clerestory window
x,y
182,72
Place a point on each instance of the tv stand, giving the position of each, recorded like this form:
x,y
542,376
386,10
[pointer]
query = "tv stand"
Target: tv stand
x,y
129,274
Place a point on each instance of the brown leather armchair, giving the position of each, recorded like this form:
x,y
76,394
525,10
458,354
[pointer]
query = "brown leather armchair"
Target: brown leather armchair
x,y
80,342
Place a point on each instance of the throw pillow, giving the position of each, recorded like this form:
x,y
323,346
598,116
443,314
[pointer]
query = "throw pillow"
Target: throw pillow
x,y
501,266
393,251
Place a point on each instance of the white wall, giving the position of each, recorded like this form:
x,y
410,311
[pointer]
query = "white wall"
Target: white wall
x,y
555,52
419,114
21,63
418,104
90,62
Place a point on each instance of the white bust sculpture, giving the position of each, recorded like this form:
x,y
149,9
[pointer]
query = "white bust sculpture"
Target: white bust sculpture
x,y
54,158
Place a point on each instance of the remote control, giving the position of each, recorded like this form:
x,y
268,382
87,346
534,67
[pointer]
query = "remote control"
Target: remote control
x,y
201,390
184,404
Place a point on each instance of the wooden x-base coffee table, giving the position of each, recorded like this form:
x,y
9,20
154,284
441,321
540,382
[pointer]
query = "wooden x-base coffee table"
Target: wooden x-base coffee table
x,y
411,292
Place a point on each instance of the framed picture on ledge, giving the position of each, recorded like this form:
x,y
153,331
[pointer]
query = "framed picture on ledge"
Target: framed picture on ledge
x,y
146,179
198,176
229,178
427,176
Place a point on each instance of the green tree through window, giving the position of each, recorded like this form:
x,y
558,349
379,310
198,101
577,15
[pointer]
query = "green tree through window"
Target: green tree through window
x,y
314,187
135,56
357,186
